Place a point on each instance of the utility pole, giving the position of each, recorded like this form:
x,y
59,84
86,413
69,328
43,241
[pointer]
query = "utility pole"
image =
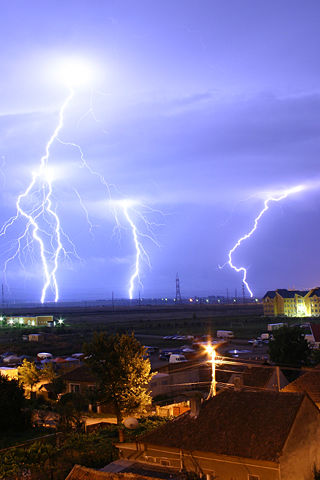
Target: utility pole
x,y
112,301
243,294
2,295
227,295
236,294
178,293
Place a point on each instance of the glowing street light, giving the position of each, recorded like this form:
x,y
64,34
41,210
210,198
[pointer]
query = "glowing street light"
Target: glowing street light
x,y
210,349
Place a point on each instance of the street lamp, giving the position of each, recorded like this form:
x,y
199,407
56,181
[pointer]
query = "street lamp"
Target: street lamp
x,y
211,351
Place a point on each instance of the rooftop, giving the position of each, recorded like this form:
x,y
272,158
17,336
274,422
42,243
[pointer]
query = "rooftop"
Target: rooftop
x,y
79,374
308,383
243,424
315,329
83,473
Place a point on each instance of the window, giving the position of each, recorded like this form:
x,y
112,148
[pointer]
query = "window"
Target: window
x,y
165,463
253,477
75,388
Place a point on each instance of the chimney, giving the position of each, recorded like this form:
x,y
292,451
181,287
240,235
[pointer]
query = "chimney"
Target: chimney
x,y
121,435
238,383
195,405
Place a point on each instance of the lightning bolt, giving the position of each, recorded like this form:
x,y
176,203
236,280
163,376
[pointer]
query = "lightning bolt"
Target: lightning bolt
x,y
128,207
38,217
141,254
42,224
271,198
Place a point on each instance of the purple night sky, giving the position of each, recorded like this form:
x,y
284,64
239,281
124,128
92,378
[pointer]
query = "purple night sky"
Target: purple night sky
x,y
198,109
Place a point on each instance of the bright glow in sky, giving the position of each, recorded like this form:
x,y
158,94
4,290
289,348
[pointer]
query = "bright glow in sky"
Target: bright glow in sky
x,y
196,112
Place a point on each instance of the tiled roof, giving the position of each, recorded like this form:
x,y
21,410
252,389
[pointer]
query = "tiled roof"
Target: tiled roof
x,y
257,376
270,294
309,383
314,292
315,329
83,473
79,374
243,424
284,293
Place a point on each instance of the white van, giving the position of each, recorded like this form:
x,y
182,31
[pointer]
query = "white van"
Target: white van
x,y
225,334
177,358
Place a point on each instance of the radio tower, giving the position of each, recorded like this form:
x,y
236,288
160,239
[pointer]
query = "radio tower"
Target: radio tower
x,y
178,293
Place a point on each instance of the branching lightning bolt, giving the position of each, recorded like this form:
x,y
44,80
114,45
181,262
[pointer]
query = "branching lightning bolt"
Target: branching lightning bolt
x,y
41,186
271,198
140,251
42,224
127,207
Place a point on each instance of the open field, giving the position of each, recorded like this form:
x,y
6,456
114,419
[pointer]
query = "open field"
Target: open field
x,y
150,324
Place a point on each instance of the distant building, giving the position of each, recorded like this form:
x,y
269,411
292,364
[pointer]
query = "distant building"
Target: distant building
x,y
39,321
292,303
36,337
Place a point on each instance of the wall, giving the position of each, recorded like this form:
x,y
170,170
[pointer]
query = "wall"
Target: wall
x,y
301,451
222,466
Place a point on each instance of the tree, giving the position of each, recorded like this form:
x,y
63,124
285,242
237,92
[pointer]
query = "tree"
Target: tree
x,y
48,372
122,373
12,403
289,347
56,384
70,408
28,374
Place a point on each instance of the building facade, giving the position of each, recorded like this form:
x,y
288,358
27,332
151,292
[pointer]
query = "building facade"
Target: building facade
x,y
292,303
39,321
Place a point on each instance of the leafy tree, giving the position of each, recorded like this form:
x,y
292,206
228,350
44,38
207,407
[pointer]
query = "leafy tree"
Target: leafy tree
x,y
70,408
48,372
122,373
56,384
289,347
12,403
28,374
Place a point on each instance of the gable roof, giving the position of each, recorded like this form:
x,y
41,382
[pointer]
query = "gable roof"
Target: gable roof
x,y
257,376
83,473
242,424
315,329
270,294
309,383
79,374
314,292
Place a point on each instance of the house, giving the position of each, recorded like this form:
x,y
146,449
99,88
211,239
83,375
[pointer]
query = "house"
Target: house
x,y
242,435
79,380
308,383
260,377
177,378
83,473
314,336
36,337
